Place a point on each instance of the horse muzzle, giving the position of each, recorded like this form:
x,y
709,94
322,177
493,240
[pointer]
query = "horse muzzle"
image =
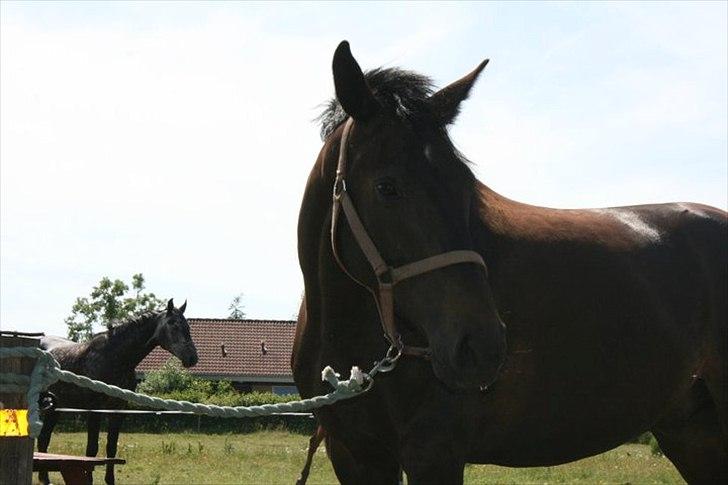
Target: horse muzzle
x,y
471,362
190,358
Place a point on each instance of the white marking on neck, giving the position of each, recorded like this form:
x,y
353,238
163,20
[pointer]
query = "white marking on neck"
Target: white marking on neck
x,y
691,209
634,222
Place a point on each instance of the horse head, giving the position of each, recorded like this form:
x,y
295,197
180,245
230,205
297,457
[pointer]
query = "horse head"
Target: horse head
x,y
415,198
173,334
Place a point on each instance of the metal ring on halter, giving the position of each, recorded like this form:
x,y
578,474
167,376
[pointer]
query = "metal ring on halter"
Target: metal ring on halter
x,y
389,362
339,187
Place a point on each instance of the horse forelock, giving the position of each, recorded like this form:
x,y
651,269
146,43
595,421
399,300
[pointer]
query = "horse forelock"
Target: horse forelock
x,y
404,94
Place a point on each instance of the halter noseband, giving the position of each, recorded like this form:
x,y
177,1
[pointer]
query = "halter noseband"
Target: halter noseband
x,y
387,276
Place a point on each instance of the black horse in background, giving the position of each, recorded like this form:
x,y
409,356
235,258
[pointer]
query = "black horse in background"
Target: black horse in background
x,y
111,357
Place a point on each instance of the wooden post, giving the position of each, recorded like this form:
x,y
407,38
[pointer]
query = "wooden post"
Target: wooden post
x,y
16,452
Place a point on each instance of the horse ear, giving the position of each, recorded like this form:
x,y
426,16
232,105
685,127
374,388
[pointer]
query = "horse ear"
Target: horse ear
x,y
183,307
445,103
170,305
352,90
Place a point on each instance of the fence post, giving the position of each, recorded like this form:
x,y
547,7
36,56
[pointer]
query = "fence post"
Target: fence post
x,y
16,452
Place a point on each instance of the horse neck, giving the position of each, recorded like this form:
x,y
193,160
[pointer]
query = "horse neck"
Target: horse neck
x,y
129,343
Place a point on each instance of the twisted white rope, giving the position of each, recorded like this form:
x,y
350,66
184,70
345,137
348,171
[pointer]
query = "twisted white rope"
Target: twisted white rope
x,y
47,371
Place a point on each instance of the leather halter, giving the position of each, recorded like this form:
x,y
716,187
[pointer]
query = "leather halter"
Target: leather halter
x,y
387,276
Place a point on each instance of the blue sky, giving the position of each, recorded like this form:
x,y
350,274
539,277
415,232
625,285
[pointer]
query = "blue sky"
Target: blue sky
x,y
146,137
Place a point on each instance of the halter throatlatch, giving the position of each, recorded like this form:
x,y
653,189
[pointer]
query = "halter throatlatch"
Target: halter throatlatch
x,y
386,275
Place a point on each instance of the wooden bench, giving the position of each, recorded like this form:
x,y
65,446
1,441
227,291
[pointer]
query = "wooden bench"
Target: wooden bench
x,y
75,470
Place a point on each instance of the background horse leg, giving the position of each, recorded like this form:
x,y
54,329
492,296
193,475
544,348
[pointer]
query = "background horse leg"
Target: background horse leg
x,y
49,422
112,439
93,424
692,439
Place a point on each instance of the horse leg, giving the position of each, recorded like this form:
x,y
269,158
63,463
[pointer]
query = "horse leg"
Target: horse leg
x,y
715,374
368,463
49,422
93,424
112,440
430,448
431,463
717,382
690,436
313,444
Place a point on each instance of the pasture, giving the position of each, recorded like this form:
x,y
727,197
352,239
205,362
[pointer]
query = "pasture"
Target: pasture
x,y
276,457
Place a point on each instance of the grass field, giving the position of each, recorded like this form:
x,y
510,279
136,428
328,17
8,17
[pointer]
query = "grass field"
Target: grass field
x,y
276,457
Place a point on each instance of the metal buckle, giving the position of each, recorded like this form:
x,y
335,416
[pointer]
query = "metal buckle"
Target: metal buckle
x,y
339,187
389,362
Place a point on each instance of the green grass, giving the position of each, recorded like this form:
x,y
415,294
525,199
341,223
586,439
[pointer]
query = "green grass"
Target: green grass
x,y
277,456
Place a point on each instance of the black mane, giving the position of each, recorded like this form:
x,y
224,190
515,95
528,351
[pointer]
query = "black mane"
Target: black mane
x,y
403,92
120,327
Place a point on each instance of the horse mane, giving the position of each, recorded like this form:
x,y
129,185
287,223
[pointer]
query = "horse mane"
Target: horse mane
x,y
404,93
120,328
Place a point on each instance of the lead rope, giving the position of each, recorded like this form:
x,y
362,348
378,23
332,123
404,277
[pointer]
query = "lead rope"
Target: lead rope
x,y
47,371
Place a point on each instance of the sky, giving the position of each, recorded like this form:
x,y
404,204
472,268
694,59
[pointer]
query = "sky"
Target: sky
x,y
175,139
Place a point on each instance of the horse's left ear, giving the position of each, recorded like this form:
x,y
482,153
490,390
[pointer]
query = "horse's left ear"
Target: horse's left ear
x,y
445,103
352,90
170,305
183,307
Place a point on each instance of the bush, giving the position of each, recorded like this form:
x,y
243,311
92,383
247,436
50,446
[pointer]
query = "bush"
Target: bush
x,y
170,378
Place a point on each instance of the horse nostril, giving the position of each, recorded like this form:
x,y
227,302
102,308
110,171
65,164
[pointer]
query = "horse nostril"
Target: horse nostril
x,y
464,354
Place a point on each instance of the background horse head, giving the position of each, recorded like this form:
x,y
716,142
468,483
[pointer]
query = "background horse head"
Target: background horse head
x,y
112,357
172,333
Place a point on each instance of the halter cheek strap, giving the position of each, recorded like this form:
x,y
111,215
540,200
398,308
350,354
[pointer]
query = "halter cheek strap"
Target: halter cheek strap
x,y
387,276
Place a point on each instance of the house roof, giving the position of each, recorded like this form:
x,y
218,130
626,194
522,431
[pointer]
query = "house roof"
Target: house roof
x,y
243,356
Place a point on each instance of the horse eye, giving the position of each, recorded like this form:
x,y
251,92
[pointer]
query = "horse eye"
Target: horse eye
x,y
387,189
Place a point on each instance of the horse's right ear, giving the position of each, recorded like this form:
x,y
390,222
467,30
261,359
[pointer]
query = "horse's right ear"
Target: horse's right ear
x,y
445,103
170,305
352,90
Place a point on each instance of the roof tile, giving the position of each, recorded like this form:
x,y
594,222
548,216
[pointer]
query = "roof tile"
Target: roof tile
x,y
242,340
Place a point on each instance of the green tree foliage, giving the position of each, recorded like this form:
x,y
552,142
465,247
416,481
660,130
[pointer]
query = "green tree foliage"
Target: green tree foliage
x,y
236,308
109,302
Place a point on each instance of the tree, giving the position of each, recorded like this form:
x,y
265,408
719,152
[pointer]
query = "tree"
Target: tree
x,y
236,308
109,302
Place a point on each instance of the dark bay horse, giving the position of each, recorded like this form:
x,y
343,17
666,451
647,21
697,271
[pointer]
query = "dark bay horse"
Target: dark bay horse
x,y
615,319
111,357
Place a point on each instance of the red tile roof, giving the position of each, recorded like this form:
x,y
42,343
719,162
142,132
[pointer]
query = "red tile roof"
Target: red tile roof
x,y
244,357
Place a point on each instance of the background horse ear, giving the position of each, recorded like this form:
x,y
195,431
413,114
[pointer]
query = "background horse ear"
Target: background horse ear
x,y
352,90
445,103
170,305
183,307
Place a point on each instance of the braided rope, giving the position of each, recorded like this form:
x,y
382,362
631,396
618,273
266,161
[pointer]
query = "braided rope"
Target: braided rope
x,y
47,371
